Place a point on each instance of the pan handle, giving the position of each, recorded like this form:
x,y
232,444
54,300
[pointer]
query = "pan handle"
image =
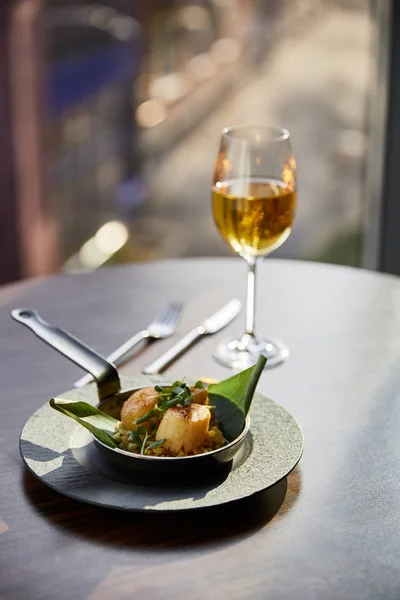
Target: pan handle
x,y
105,373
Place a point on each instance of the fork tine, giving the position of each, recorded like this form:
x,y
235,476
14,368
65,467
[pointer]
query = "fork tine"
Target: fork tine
x,y
162,325
174,312
174,316
169,314
160,317
163,315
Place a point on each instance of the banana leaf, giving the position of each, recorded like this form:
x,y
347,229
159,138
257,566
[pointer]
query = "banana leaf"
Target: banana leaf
x,y
99,424
232,398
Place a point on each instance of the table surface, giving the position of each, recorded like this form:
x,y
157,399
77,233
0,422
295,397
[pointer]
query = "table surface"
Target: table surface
x,y
329,530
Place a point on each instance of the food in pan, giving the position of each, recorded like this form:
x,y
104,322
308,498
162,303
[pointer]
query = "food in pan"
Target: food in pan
x,y
175,420
178,420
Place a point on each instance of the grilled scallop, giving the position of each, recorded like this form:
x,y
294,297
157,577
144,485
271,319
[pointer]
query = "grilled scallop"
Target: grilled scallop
x,y
199,395
137,405
184,428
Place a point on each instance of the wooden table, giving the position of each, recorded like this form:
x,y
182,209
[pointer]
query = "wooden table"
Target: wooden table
x,y
330,530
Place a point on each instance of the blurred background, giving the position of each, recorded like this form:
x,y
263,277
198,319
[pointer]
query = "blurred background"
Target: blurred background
x,y
111,115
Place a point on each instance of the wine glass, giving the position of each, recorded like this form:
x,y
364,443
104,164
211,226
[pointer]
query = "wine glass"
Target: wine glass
x,y
253,201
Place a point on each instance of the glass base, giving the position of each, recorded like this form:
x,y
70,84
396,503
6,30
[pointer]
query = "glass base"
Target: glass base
x,y
243,353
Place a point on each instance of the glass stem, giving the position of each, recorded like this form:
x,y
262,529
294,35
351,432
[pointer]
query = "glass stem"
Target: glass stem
x,y
251,297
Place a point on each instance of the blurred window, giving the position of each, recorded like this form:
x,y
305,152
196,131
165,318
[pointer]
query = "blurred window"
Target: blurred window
x,y
135,96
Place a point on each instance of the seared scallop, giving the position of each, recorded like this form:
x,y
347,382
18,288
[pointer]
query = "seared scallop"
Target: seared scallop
x,y
184,428
137,405
199,395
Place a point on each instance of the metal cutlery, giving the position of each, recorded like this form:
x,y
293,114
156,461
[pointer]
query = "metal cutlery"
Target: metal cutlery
x,y
215,323
162,326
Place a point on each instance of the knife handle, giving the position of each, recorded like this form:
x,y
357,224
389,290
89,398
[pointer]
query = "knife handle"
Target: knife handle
x,y
161,363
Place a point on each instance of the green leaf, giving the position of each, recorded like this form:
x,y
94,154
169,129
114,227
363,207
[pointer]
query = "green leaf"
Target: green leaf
x,y
143,448
172,402
136,438
147,416
98,423
233,396
198,384
156,444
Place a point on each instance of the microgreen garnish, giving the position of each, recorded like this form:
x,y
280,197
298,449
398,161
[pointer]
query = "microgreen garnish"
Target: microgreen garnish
x,y
168,396
136,438
141,435
198,384
156,444
147,416
142,431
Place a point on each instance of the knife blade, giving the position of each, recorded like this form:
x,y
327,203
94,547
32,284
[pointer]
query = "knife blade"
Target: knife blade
x,y
211,325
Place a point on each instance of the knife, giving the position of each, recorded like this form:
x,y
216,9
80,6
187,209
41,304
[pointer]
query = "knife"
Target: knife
x,y
215,323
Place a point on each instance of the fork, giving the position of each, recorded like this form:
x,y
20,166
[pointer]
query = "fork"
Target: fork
x,y
162,326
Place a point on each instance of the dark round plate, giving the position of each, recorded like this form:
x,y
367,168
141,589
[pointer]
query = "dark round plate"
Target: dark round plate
x,y
61,453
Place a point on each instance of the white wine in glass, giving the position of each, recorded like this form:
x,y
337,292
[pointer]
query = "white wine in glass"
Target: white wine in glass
x,y
254,201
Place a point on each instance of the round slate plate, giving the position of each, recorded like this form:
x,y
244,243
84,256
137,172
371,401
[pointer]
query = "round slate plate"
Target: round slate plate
x,y
61,453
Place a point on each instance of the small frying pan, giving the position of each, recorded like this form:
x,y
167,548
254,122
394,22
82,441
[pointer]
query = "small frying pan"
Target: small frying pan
x,y
111,397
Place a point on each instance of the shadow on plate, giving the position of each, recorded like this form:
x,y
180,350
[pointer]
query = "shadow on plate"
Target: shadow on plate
x,y
84,471
219,526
